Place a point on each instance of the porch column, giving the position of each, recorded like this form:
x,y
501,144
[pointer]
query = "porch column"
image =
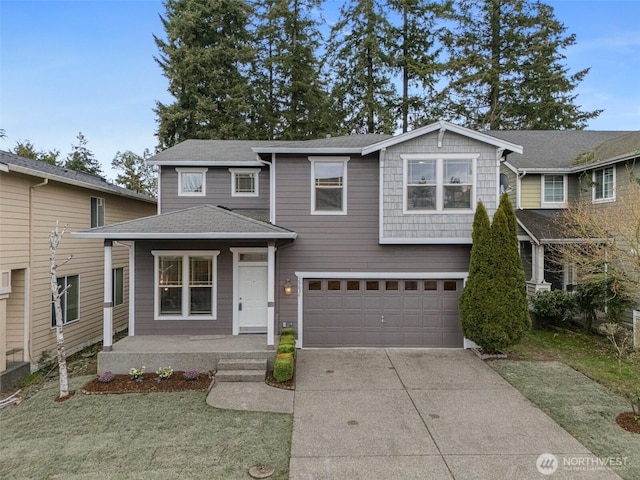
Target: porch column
x,y
132,288
107,307
271,294
538,263
5,291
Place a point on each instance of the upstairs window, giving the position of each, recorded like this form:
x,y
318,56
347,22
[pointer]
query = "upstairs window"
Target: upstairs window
x,y
97,212
192,182
438,184
554,189
244,182
604,184
328,186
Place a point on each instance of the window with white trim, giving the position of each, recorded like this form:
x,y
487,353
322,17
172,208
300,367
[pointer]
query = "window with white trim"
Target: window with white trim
x,y
118,286
97,212
192,182
185,285
328,186
554,189
439,184
604,184
69,286
244,182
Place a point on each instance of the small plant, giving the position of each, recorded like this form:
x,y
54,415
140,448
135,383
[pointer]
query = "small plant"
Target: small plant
x,y
287,340
553,307
136,373
164,372
620,338
106,377
283,367
634,399
286,348
191,375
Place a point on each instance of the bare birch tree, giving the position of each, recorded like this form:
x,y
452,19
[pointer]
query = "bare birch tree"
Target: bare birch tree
x,y
54,241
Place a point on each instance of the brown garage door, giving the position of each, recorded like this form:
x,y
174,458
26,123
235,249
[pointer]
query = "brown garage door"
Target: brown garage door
x,y
381,313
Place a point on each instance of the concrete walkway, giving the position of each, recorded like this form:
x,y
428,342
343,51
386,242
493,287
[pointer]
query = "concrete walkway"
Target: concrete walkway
x,y
423,414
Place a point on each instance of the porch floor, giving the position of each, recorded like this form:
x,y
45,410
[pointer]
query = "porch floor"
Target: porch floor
x,y
183,352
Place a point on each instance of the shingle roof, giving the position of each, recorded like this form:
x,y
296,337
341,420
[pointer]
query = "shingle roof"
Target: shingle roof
x,y
203,222
42,169
624,146
222,151
344,141
552,148
542,224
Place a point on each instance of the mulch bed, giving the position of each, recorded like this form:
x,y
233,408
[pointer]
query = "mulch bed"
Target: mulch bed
x,y
122,383
288,385
626,421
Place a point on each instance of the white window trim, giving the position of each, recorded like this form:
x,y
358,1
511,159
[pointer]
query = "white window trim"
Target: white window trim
x,y
63,304
344,160
202,171
100,206
256,175
593,188
439,158
185,254
563,203
114,278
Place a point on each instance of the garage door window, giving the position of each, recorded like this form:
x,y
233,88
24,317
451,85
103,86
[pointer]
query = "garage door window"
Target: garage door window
x,y
410,285
391,285
373,285
315,285
333,285
353,285
450,285
430,285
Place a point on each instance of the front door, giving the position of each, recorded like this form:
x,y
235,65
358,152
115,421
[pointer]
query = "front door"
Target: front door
x,y
252,297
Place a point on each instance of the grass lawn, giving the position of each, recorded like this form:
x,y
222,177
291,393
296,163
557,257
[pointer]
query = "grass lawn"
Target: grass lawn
x,y
557,374
138,436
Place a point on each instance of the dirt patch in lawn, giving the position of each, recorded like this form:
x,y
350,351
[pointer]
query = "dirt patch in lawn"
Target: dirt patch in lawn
x,y
628,421
122,383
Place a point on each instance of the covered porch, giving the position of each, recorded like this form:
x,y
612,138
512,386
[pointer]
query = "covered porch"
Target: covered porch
x,y
183,352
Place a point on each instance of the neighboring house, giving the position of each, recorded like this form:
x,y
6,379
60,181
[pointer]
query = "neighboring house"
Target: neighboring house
x,y
33,197
556,169
354,241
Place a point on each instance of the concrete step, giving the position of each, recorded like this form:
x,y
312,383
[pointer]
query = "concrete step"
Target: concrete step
x,y
241,375
242,364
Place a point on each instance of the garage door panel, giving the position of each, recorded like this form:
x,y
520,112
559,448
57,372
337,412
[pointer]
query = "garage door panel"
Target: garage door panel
x,y
431,303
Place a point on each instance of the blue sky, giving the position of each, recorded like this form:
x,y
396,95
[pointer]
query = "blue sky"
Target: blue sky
x,y
87,66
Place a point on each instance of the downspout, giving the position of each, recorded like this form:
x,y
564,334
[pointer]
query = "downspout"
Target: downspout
x,y
28,324
519,186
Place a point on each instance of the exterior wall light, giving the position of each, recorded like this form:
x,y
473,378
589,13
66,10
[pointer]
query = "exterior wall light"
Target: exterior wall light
x,y
288,288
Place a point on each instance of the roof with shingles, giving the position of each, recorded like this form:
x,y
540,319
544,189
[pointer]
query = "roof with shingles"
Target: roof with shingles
x,y
40,169
549,149
542,224
203,221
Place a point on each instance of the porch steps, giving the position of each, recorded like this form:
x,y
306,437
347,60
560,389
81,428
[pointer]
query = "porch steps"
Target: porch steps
x,y
241,370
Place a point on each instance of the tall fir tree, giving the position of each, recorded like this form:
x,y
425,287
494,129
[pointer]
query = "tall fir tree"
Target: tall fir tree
x,y
82,159
360,61
26,149
206,58
505,68
134,173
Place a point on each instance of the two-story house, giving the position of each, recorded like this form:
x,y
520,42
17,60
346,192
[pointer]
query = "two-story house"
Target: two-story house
x,y
354,241
33,197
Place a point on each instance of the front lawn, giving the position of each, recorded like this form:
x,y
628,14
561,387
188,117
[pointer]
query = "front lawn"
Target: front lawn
x,y
154,435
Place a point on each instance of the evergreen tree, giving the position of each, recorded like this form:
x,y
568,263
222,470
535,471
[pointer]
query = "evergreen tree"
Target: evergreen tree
x,y
135,174
82,159
360,62
293,101
26,149
505,68
206,58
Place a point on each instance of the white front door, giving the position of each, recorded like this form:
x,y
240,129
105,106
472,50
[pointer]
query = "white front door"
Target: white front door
x,y
251,297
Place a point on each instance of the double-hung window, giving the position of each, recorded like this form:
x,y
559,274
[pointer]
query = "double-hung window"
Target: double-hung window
x,y
444,183
244,182
604,184
185,285
192,182
69,287
554,189
118,286
97,212
329,185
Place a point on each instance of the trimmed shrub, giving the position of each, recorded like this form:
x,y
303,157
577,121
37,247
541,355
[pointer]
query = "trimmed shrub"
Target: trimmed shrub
x,y
286,348
283,367
288,332
553,307
287,340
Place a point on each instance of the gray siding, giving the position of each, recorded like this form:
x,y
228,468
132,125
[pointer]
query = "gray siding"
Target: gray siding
x,y
441,225
218,190
345,243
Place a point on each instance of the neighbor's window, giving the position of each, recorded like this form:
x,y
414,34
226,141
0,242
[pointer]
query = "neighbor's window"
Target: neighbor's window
x,y
438,184
329,184
192,181
69,286
118,286
97,212
553,187
185,285
604,183
244,182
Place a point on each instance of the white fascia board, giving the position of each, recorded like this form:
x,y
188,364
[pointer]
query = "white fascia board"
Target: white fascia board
x,y
510,167
309,150
204,163
425,241
442,125
182,236
4,167
604,163
528,232
384,275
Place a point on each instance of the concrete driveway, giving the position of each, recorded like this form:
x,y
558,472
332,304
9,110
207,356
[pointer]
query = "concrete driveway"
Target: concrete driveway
x,y
423,414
